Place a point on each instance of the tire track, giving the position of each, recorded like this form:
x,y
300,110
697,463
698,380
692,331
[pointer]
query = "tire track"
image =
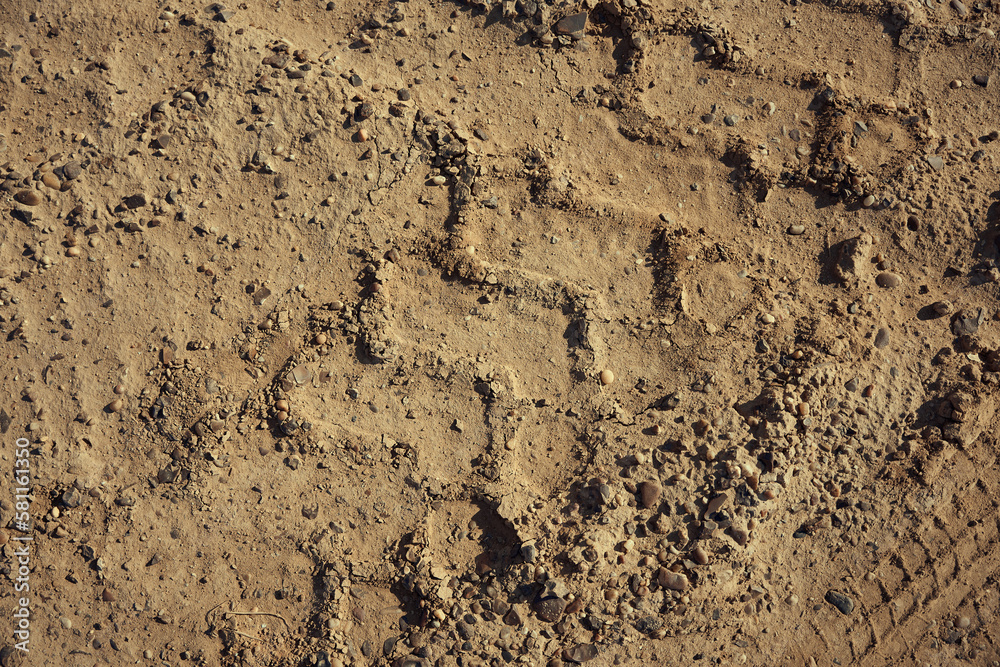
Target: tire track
x,y
929,578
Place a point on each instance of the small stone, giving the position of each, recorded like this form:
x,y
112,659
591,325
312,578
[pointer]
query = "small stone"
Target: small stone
x,y
649,492
868,201
260,295
439,180
66,623
882,338
967,322
72,170
959,7
581,653
550,609
300,374
116,405
72,498
964,622
731,120
942,308
675,581
320,339
797,230
135,201
888,280
716,503
981,79
571,24
51,181
160,142
28,198
607,377
700,556
767,318
842,602
403,94
108,595
936,162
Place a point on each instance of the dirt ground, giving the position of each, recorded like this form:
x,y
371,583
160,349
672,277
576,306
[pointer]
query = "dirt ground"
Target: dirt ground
x,y
433,333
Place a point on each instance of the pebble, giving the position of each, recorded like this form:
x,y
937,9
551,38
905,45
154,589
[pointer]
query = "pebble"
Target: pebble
x,y
959,7
700,556
581,653
28,198
649,492
72,170
675,581
888,280
882,338
868,201
51,181
66,623
716,503
550,609
731,120
135,201
116,405
964,622
439,180
571,24
607,377
320,339
842,602
942,308
301,374
936,162
797,230
767,318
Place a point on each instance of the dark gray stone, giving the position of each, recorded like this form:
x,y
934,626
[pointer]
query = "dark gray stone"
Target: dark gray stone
x,y
135,201
882,338
842,602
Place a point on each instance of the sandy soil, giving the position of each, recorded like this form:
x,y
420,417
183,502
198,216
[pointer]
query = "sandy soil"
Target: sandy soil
x,y
429,333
